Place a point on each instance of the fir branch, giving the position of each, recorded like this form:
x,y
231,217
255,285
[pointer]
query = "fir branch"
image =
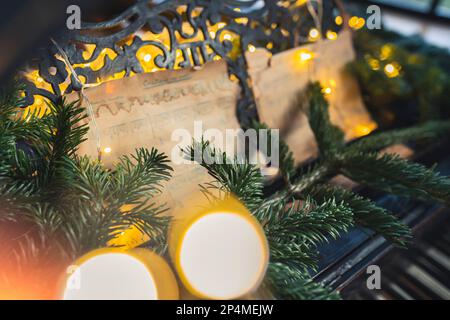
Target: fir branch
x,y
288,284
44,217
314,174
66,129
234,176
310,223
97,204
140,175
329,137
294,255
392,174
427,131
294,230
10,100
366,213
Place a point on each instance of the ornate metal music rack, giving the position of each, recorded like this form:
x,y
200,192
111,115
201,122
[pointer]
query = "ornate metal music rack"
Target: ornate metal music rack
x,y
276,25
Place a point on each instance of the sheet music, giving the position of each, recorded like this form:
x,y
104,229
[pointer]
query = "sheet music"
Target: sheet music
x,y
144,110
279,79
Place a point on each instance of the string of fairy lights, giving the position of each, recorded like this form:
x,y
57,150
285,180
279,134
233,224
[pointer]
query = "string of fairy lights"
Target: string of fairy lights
x,y
146,55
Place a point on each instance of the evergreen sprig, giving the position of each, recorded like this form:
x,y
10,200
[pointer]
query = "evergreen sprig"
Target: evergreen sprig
x,y
428,131
366,213
231,174
72,203
329,138
289,284
299,228
309,223
392,174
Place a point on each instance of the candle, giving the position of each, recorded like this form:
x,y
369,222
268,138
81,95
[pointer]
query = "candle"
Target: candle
x,y
219,252
114,274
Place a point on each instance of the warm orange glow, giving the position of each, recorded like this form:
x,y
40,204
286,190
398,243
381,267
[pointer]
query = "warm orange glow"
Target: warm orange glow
x,y
386,52
392,70
356,22
327,91
31,278
362,130
305,55
241,20
374,64
331,35
314,34
300,3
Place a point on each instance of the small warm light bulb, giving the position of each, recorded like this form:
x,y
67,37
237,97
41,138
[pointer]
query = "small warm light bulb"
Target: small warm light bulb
x,y
374,64
212,34
327,91
331,35
147,57
392,70
353,21
356,22
107,150
314,34
339,20
251,48
385,52
306,55
228,37
40,79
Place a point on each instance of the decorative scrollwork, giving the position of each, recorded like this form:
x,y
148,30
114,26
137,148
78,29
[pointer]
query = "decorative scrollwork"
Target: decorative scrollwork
x,y
172,34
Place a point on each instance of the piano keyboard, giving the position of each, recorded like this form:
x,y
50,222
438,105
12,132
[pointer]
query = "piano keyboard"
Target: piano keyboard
x,y
422,272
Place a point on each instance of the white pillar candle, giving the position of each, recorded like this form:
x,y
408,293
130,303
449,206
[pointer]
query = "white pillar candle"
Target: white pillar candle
x,y
220,252
114,274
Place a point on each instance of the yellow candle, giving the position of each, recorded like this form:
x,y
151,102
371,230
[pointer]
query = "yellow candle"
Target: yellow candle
x,y
219,252
114,274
